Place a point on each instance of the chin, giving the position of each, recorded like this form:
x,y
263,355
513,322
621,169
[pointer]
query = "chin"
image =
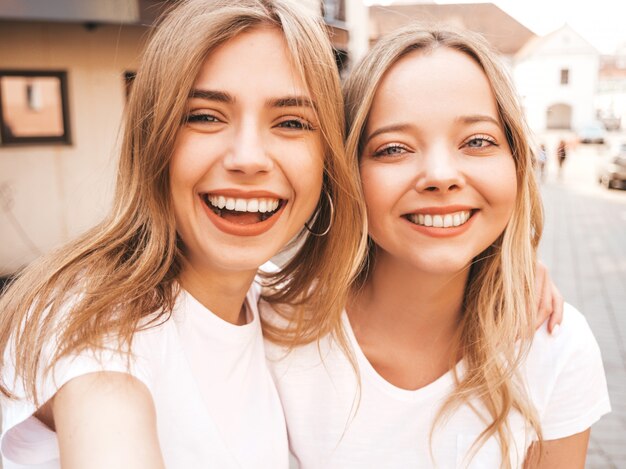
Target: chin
x,y
442,265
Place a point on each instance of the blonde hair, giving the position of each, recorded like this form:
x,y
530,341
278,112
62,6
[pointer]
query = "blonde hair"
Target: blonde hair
x,y
123,270
497,324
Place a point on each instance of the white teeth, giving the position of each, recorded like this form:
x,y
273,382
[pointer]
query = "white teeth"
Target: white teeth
x,y
253,205
240,205
441,221
244,205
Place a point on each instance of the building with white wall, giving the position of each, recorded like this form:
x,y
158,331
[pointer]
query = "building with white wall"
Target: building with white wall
x,y
556,76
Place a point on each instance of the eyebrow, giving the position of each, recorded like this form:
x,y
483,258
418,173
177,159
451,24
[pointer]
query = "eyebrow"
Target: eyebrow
x,y
223,97
212,95
474,118
387,129
290,101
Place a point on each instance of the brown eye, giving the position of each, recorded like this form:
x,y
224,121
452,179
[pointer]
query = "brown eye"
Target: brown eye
x,y
202,118
296,124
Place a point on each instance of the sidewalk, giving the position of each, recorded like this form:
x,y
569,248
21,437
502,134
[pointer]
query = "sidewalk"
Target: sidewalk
x,y
584,246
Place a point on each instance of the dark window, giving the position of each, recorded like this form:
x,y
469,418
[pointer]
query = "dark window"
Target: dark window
x,y
334,10
564,76
129,78
33,107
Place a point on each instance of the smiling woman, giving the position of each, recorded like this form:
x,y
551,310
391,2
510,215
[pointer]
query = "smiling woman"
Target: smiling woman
x,y
139,344
452,371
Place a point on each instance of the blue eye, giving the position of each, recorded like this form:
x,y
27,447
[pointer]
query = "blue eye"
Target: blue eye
x,y
391,150
480,141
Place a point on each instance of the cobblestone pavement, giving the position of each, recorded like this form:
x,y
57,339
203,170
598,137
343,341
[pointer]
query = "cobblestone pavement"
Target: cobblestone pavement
x,y
584,246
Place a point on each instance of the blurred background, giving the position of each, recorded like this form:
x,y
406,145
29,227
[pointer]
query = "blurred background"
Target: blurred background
x,y
66,68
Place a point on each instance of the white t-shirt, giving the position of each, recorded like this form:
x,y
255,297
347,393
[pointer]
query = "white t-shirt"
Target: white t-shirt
x,y
216,404
330,425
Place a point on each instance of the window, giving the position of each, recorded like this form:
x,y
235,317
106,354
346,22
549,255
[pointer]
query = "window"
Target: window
x,y
33,107
564,76
129,78
334,10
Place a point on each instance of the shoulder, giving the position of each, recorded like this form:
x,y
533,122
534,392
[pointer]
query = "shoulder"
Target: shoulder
x,y
573,348
566,377
575,335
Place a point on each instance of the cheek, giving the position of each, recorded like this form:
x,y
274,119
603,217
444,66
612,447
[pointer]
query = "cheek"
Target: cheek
x,y
378,195
501,180
305,169
183,165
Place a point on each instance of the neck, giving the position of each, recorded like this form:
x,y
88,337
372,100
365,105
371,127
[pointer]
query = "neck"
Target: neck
x,y
223,292
414,309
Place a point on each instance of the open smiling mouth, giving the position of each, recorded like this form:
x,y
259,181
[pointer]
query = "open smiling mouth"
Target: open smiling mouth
x,y
243,211
448,220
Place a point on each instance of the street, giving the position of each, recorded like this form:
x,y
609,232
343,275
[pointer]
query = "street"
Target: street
x,y
584,246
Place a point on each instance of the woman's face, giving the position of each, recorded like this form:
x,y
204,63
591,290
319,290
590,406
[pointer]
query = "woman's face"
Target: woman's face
x,y
246,172
438,175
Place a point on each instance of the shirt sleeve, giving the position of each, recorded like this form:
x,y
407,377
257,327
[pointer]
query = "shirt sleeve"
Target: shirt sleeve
x,y
579,395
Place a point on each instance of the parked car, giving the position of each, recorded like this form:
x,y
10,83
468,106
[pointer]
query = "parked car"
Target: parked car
x,y
612,170
592,133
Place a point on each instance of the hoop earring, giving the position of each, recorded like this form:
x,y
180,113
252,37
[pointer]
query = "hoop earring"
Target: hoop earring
x,y
330,223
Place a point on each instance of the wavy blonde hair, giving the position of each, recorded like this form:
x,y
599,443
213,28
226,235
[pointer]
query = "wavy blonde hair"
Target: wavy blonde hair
x,y
124,269
497,324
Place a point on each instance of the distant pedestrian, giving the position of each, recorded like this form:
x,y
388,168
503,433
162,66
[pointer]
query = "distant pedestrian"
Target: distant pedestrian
x,y
542,158
561,153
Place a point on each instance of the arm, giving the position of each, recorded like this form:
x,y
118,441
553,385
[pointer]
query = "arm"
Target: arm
x,y
105,420
549,299
564,453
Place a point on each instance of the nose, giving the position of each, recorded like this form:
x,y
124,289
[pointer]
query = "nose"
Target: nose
x,y
439,170
249,151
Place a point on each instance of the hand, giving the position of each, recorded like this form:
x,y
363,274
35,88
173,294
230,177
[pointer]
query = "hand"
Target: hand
x,y
549,299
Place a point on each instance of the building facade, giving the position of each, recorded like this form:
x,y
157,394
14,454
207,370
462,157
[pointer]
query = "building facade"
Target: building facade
x,y
557,76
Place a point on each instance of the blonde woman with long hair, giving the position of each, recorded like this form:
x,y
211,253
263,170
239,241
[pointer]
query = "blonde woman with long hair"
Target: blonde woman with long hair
x,y
440,325
139,344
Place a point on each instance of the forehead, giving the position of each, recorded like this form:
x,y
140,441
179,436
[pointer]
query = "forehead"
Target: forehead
x,y
257,60
442,79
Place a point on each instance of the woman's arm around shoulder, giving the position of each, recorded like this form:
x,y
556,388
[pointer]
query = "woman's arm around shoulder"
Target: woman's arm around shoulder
x,y
104,420
565,453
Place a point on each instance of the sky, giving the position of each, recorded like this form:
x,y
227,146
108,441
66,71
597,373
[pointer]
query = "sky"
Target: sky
x,y
600,22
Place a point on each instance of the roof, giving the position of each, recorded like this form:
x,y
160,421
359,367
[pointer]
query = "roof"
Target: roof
x,y
505,33
564,40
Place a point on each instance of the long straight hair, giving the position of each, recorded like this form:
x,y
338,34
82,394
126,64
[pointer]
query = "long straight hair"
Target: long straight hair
x,y
497,322
121,274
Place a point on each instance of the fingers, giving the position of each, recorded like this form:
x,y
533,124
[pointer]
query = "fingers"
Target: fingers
x,y
541,279
549,301
543,294
554,324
